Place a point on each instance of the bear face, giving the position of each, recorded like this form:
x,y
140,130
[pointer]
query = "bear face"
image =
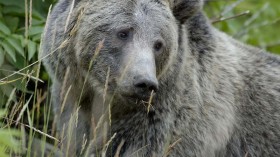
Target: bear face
x,y
140,38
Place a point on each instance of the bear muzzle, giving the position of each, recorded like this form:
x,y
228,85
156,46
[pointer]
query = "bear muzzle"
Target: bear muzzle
x,y
144,86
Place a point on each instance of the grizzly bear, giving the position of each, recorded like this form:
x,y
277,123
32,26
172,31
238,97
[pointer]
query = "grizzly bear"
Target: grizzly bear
x,y
154,78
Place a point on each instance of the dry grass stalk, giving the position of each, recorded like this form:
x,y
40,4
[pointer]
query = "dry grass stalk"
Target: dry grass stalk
x,y
104,150
69,15
119,149
150,101
169,149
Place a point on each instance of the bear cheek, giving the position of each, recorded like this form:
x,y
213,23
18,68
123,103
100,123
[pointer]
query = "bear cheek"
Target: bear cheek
x,y
162,62
106,65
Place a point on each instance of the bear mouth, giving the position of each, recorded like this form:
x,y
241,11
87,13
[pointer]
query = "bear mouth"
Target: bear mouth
x,y
135,95
138,97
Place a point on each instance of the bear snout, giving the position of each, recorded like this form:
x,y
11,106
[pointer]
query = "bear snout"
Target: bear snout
x,y
144,85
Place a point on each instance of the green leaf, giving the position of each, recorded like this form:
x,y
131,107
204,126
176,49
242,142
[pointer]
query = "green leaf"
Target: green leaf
x,y
20,38
8,139
14,10
20,62
12,22
31,49
6,89
38,22
18,84
16,44
10,50
2,35
4,28
2,151
12,3
35,30
37,15
2,113
37,38
1,15
2,56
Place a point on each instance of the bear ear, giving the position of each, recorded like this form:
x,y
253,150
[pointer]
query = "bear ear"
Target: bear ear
x,y
184,9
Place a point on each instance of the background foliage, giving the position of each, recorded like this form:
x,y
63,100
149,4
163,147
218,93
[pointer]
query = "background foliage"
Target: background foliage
x,y
21,25
259,24
24,84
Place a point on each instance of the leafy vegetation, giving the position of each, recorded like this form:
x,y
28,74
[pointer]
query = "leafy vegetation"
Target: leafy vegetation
x,y
20,34
8,142
24,83
255,22
21,25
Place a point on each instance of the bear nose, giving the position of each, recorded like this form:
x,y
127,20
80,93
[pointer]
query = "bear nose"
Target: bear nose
x,y
145,85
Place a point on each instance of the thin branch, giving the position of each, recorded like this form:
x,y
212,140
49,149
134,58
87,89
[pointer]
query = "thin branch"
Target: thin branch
x,y
231,17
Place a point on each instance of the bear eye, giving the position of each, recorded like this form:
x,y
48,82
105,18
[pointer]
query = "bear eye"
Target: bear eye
x,y
158,45
123,35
